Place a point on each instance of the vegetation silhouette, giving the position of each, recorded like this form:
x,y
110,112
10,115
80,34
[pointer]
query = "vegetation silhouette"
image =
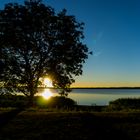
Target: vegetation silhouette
x,y
13,101
56,102
20,102
37,42
124,104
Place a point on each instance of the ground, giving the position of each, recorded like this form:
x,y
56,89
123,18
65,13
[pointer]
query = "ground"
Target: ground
x,y
40,124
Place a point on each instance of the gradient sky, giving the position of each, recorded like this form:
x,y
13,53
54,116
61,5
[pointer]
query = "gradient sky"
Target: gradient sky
x,y
112,32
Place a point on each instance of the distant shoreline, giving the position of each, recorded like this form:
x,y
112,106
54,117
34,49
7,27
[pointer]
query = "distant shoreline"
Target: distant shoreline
x,y
96,87
105,88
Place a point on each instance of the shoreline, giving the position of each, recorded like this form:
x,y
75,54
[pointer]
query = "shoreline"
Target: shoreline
x,y
93,88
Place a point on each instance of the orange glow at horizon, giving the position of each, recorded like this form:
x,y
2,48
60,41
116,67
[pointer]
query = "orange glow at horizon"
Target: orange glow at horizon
x,y
106,84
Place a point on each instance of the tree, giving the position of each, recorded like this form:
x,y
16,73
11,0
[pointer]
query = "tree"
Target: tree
x,y
36,42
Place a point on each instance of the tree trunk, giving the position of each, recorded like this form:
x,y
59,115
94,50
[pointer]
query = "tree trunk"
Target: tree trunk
x,y
31,99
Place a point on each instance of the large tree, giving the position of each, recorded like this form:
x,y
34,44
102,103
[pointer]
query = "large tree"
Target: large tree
x,y
36,42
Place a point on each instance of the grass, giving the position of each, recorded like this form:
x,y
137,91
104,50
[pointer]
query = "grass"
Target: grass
x,y
120,120
40,124
4,110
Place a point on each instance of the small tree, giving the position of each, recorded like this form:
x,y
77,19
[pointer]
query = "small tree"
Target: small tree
x,y
36,42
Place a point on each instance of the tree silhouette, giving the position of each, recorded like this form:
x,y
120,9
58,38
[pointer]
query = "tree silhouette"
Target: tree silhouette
x,y
36,42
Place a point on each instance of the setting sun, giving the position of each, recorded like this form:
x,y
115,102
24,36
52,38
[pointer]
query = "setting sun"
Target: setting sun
x,y
47,94
48,82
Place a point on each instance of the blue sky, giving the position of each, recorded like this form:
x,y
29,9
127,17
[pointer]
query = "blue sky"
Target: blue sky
x,y
112,32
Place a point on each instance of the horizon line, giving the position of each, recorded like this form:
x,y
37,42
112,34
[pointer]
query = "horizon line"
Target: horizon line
x,y
119,87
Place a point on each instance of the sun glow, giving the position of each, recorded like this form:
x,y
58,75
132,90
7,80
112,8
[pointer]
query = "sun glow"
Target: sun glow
x,y
48,82
47,94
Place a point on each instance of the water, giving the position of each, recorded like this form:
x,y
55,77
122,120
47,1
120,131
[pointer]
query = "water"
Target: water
x,y
98,96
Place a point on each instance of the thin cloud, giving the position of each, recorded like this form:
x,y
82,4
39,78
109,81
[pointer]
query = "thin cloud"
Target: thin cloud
x,y
96,54
100,35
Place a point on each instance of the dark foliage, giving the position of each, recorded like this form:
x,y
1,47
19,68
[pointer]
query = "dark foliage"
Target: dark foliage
x,y
13,101
36,42
125,103
38,101
56,102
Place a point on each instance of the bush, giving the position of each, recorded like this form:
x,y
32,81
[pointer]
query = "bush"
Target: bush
x,y
19,101
55,102
125,103
13,101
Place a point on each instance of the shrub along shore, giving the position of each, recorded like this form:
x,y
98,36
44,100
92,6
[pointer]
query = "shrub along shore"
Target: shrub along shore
x,y
61,102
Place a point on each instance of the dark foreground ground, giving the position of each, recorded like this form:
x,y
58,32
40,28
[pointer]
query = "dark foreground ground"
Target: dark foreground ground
x,y
46,125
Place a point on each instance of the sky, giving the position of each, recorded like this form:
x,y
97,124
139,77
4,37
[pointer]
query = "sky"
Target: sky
x,y
112,32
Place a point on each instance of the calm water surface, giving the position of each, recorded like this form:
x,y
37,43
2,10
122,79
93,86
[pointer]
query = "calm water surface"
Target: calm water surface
x,y
98,96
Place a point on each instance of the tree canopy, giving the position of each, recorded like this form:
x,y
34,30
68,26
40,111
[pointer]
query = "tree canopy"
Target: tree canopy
x,y
36,42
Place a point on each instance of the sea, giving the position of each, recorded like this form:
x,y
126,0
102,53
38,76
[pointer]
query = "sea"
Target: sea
x,y
96,96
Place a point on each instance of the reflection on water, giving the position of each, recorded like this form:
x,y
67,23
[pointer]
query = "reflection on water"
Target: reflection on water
x,y
96,96
46,93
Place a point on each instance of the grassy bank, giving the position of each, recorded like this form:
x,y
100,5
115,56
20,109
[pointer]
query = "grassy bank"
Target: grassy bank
x,y
40,124
61,119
